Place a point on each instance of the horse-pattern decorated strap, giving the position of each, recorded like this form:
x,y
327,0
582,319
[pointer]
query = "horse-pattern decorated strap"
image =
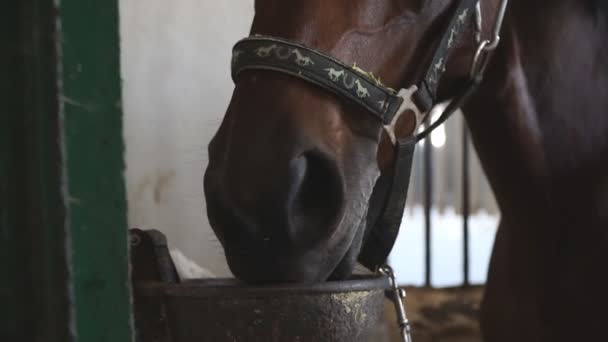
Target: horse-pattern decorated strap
x,y
426,96
268,53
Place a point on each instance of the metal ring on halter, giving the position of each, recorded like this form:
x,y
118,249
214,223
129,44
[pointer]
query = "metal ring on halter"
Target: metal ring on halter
x,y
480,60
497,26
492,45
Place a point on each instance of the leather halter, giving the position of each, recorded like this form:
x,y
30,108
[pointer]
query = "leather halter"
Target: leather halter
x,y
387,202
269,53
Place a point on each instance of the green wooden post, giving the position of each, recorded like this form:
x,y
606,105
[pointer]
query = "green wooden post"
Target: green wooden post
x,y
63,229
91,98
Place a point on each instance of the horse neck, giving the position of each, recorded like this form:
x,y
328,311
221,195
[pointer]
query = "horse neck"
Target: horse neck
x,y
539,121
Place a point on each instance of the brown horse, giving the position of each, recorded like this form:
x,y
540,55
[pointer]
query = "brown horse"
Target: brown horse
x,y
292,166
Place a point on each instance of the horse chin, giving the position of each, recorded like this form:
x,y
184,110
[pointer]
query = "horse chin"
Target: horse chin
x,y
254,266
276,268
346,266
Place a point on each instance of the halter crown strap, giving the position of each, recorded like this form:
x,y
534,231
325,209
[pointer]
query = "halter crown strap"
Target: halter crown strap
x,y
269,53
426,96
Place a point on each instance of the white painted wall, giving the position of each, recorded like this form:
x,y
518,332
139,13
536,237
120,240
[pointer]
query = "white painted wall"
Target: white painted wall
x,y
176,81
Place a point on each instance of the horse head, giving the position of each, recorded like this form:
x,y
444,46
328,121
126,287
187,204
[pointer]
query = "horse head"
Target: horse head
x,y
292,166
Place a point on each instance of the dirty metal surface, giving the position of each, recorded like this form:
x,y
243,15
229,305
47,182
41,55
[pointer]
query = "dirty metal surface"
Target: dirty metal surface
x,y
223,310
216,310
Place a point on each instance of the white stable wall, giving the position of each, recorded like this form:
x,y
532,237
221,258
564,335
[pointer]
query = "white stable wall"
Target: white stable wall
x,y
176,86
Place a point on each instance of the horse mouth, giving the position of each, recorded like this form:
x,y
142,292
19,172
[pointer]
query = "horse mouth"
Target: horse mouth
x,y
263,263
254,267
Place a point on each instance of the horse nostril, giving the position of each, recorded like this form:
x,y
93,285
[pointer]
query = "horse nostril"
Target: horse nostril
x,y
315,197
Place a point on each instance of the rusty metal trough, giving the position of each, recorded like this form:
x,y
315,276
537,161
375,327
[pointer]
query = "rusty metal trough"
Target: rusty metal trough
x,y
219,310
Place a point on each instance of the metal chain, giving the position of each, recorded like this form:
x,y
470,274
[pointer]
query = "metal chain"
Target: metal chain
x,y
399,301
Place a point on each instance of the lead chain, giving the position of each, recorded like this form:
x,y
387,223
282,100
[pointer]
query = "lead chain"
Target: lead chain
x,y
399,301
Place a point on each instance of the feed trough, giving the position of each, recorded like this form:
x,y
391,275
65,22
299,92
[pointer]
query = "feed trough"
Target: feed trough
x,y
169,310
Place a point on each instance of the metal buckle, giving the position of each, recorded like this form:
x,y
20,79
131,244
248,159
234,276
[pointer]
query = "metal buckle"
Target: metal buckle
x,y
407,104
399,300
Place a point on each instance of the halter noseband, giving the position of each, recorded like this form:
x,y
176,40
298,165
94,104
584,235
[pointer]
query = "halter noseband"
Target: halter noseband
x,y
388,199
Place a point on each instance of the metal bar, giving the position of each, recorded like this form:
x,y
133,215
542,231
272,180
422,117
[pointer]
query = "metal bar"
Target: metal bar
x,y
465,204
428,203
